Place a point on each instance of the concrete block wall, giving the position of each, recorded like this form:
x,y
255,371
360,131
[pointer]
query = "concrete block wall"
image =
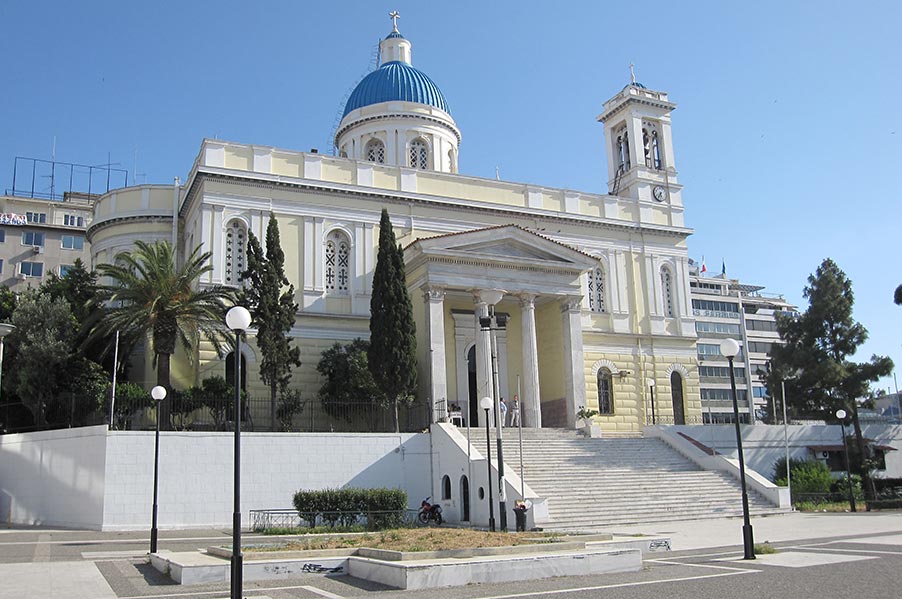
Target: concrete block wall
x,y
53,478
91,478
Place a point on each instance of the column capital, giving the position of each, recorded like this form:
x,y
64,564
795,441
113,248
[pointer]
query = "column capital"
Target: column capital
x,y
527,300
434,293
571,303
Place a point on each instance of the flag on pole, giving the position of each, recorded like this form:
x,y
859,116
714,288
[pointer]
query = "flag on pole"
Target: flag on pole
x,y
723,268
704,268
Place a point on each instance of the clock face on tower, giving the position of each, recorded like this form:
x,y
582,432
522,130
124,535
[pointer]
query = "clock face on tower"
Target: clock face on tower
x,y
660,193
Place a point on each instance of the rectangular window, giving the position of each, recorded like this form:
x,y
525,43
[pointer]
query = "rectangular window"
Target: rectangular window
x,y
721,372
32,238
65,268
71,220
32,269
73,242
715,306
760,347
724,395
761,325
36,217
708,349
1,266
2,235
725,328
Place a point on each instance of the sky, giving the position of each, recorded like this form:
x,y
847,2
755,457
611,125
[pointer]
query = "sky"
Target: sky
x,y
787,135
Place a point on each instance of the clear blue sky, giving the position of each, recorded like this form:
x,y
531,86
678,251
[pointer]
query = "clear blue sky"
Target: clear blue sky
x,y
788,134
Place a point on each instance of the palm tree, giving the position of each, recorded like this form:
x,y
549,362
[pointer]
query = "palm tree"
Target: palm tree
x,y
151,295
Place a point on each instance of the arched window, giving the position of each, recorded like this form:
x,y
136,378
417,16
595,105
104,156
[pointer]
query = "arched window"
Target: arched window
x,y
667,291
596,290
605,391
419,154
446,487
375,151
235,252
651,146
337,258
656,150
622,150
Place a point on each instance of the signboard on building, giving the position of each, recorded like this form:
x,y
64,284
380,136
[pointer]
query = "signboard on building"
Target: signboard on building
x,y
8,218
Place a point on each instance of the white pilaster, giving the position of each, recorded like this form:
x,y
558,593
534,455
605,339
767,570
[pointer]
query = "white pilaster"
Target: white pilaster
x,y
309,252
435,332
318,240
217,232
530,401
574,366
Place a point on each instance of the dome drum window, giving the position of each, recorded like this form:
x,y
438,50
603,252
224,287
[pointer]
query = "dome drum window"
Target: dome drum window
x,y
375,151
418,155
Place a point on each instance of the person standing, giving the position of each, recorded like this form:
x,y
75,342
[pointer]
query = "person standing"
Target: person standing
x,y
515,411
503,408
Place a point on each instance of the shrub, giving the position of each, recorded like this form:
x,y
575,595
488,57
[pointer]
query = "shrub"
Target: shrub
x,y
808,476
383,508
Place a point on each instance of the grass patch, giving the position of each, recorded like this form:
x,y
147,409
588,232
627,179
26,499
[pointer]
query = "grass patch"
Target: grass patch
x,y
822,506
416,540
764,548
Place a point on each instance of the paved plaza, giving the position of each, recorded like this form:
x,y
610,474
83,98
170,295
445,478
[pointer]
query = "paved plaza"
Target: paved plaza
x,y
819,555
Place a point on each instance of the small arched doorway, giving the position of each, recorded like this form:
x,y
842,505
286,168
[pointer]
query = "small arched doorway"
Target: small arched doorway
x,y
464,498
676,392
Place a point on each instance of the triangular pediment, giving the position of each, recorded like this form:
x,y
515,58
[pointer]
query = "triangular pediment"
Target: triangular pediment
x,y
508,244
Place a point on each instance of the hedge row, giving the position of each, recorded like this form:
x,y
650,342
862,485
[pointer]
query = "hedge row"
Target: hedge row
x,y
377,508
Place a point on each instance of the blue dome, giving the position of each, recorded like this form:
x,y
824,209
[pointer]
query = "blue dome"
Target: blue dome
x,y
396,81
394,34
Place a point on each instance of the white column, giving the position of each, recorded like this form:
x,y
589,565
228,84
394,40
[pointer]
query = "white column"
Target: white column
x,y
435,332
530,402
574,366
483,356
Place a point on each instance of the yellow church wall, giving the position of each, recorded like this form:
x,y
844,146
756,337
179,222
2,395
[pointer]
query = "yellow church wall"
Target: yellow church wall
x,y
440,184
338,171
287,164
239,157
550,343
552,201
386,177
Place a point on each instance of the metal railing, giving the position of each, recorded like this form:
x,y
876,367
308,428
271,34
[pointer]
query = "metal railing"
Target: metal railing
x,y
217,414
262,520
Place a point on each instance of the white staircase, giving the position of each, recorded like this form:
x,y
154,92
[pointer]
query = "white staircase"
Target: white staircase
x,y
601,482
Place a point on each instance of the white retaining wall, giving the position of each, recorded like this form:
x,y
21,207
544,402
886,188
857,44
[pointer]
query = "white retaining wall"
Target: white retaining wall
x,y
91,478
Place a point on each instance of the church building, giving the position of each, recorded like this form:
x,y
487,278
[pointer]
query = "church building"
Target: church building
x,y
595,287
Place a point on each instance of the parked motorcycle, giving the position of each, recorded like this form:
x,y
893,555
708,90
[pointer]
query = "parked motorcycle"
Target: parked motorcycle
x,y
429,513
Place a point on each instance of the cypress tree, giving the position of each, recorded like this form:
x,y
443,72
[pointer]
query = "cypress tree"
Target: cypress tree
x,y
393,345
273,311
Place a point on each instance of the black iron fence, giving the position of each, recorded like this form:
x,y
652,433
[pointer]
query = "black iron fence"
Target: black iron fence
x,y
216,414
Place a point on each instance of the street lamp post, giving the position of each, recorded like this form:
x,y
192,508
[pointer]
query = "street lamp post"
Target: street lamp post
x,y
486,404
841,414
158,394
5,329
496,322
730,349
238,319
651,388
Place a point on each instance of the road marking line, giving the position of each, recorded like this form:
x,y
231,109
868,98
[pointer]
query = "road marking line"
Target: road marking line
x,y
42,552
661,561
619,585
838,550
321,592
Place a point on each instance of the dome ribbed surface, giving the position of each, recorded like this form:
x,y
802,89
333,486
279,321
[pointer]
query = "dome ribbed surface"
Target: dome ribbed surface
x,y
396,81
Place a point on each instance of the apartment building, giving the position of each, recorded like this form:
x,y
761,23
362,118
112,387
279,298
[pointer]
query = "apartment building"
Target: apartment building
x,y
39,236
724,308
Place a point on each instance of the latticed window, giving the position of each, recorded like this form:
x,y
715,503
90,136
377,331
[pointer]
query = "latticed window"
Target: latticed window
x,y
235,252
667,291
419,154
605,391
596,290
375,151
337,263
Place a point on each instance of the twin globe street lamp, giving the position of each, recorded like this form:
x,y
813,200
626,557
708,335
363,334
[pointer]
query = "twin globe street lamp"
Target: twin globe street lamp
x,y
491,323
238,319
841,414
730,349
158,394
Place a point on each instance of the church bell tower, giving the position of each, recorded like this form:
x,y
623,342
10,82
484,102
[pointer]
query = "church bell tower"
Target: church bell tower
x,y
639,145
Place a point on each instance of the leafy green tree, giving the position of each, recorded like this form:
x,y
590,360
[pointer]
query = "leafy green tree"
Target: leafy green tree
x,y
273,311
7,304
393,344
215,394
130,397
808,477
349,388
290,403
815,359
43,338
151,295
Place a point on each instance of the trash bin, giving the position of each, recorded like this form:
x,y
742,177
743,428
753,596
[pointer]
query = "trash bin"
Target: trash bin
x,y
520,515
